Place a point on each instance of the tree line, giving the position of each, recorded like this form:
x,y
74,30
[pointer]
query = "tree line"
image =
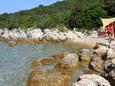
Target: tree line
x,y
81,14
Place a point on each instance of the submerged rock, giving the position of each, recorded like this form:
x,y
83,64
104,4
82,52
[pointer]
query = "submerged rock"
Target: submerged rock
x,y
45,79
50,78
91,80
47,60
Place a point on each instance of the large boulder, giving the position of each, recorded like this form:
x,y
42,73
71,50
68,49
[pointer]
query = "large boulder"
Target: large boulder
x,y
85,54
109,65
97,63
101,51
22,34
69,61
5,33
51,34
15,34
112,74
110,54
54,34
35,34
91,80
110,68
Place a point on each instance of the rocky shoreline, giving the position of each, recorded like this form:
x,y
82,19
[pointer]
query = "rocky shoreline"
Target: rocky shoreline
x,y
100,60
38,35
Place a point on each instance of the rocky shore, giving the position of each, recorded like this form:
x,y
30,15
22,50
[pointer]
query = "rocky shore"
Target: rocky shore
x,y
59,70
38,35
100,71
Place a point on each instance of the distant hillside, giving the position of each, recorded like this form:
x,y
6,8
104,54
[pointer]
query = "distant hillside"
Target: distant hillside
x,y
69,13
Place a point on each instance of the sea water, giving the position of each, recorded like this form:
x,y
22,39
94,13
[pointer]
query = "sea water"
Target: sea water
x,y
15,61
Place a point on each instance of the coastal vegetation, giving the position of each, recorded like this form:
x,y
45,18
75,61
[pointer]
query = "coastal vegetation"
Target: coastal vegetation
x,y
81,14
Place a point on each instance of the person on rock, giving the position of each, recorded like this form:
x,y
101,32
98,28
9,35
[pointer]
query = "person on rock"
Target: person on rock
x,y
110,29
114,28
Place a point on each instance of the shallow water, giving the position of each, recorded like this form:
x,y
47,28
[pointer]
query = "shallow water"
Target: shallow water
x,y
15,61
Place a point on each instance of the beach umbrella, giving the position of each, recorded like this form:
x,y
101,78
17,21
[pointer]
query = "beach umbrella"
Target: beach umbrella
x,y
107,21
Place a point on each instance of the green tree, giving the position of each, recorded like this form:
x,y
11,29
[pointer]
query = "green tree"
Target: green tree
x,y
91,16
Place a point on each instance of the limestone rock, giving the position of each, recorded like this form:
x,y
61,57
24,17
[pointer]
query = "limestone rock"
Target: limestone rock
x,y
35,34
69,60
101,51
97,64
110,54
85,54
80,34
71,35
110,68
5,33
1,31
112,74
91,80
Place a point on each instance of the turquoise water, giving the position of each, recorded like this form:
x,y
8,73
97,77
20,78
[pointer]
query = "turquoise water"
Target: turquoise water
x,y
15,61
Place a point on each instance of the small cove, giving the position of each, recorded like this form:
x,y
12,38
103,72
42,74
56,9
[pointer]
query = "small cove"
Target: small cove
x,y
15,61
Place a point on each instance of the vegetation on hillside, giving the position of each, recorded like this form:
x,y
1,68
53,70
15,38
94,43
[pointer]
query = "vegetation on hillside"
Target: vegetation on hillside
x,y
70,13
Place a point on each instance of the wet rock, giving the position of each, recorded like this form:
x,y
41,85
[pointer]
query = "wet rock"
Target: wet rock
x,y
91,80
12,43
69,61
97,63
47,60
45,79
85,55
